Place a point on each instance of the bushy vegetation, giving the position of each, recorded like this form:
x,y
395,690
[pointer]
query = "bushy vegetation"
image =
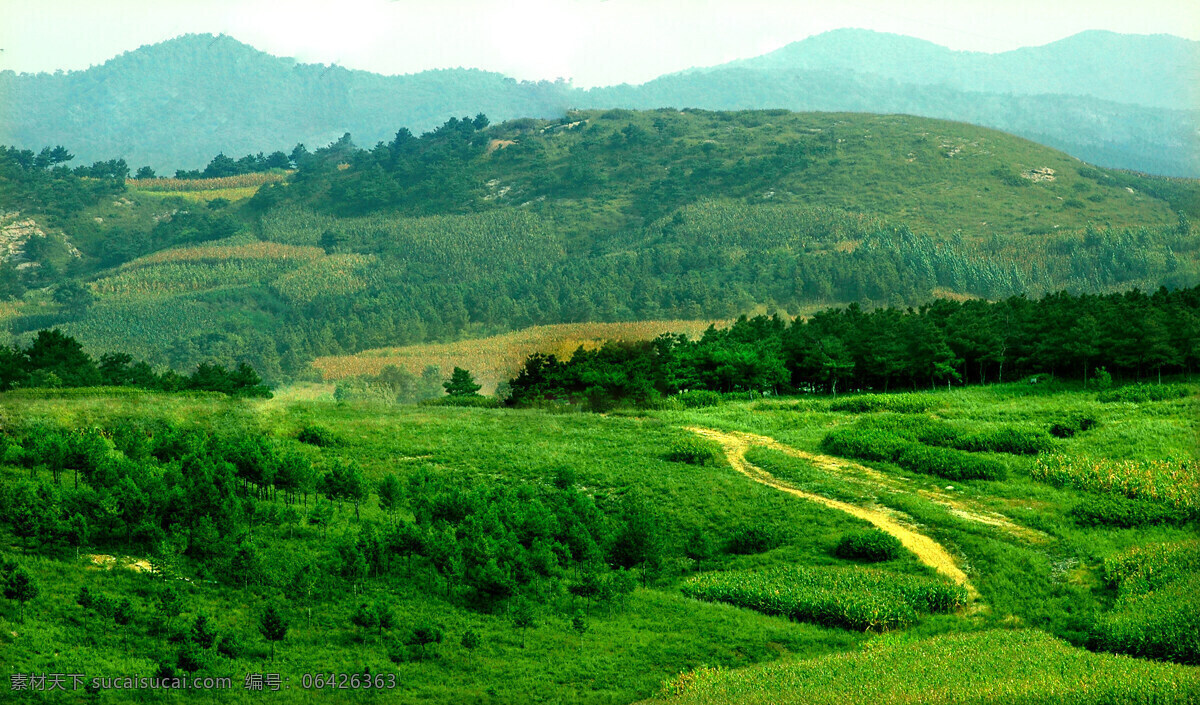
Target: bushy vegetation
x,y
876,444
884,348
1157,612
693,452
991,665
55,360
851,598
1142,393
895,403
1174,483
1119,512
1068,426
871,546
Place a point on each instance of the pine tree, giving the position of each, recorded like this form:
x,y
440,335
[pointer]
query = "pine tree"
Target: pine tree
x,y
461,384
273,626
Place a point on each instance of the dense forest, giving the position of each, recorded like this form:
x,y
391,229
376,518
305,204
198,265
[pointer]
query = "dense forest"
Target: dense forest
x,y
1090,338
55,360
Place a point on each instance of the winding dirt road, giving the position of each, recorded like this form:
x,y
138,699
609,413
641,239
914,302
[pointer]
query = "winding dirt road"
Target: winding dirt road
x,y
928,551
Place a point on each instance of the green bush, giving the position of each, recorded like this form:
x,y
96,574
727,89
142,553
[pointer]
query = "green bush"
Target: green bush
x,y
873,444
871,545
1124,513
856,598
1014,441
896,403
692,451
1161,624
949,463
318,436
1157,612
863,443
476,402
1068,426
698,398
753,539
1140,393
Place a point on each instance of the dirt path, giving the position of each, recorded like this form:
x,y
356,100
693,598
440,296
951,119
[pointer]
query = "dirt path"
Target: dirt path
x,y
862,475
928,551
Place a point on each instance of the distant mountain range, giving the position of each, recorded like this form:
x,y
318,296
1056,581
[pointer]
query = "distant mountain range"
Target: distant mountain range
x,y
1116,100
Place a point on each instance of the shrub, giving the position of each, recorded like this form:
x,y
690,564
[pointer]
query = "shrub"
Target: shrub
x,y
1068,426
896,403
871,545
1124,513
866,444
698,398
862,599
692,451
1162,623
753,539
318,436
1144,568
874,444
1157,613
471,402
949,463
1015,441
1140,393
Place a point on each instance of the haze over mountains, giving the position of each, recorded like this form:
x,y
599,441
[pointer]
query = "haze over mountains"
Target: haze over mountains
x,y
1126,101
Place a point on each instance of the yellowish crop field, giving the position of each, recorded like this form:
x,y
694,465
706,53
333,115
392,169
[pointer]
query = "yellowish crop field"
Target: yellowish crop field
x,y
499,357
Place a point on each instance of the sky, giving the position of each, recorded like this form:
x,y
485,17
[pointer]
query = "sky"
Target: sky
x,y
590,42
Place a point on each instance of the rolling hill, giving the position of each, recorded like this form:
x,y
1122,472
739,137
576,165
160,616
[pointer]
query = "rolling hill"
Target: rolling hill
x,y
473,230
1116,100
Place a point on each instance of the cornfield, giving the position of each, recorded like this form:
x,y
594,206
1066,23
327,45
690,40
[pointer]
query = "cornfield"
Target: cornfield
x,y
219,253
176,277
498,358
998,666
226,182
335,275
862,599
1171,482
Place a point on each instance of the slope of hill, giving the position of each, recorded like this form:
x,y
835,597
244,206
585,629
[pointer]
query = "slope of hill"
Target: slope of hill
x,y
604,216
1158,71
1117,100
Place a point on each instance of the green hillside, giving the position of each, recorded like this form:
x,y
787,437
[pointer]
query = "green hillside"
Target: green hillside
x,y
475,229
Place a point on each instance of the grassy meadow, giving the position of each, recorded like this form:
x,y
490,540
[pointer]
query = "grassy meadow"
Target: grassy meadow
x,y
1045,586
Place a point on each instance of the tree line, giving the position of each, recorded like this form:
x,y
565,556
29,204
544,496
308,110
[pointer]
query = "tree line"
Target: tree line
x,y
1085,337
54,359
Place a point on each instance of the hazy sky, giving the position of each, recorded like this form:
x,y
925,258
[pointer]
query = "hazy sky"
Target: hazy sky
x,y
592,42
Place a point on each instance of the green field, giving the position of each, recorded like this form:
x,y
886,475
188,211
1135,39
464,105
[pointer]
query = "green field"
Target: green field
x,y
1031,590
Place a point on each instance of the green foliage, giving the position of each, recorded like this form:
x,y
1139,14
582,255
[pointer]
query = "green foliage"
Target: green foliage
x,y
1017,441
1008,664
693,452
876,444
1068,426
1157,612
1142,393
754,538
1119,512
461,384
1172,483
870,546
316,435
850,598
895,403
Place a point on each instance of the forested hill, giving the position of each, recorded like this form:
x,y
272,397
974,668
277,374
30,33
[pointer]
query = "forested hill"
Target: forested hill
x,y
473,229
1116,100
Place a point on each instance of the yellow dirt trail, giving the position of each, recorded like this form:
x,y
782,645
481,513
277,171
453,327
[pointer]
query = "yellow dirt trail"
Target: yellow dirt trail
x,y
928,551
